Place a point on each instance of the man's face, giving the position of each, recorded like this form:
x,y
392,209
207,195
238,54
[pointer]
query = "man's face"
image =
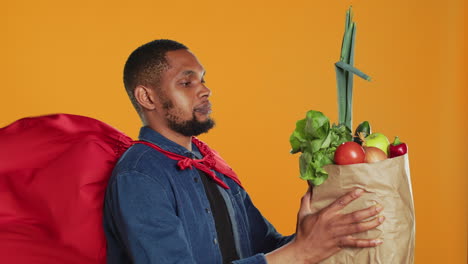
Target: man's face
x,y
184,96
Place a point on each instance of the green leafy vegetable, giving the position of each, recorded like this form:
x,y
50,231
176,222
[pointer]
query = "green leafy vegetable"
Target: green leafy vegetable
x,y
313,136
317,141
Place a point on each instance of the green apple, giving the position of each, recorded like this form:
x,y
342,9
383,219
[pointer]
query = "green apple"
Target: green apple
x,y
377,140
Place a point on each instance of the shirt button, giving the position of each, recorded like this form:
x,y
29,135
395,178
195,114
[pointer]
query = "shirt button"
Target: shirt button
x,y
195,179
215,241
207,210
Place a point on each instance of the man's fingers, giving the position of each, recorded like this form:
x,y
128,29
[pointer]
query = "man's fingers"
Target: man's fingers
x,y
361,215
349,229
344,200
349,241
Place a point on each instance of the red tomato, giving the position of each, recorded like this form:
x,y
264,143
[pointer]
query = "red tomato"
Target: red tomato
x,y
349,153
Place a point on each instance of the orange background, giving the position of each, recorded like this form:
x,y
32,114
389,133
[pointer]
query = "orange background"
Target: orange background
x,y
267,62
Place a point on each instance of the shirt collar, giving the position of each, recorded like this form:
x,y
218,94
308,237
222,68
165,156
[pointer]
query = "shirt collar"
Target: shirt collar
x,y
150,135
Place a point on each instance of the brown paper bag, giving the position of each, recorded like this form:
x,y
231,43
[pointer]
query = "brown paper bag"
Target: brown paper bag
x,y
387,183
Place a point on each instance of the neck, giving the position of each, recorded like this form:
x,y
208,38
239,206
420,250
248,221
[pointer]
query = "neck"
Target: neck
x,y
182,140
159,124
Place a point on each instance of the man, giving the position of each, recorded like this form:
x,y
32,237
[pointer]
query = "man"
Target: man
x,y
171,199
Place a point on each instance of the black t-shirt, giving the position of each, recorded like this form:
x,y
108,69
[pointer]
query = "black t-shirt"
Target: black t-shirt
x,y
222,220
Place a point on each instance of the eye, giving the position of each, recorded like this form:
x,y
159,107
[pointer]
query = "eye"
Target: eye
x,y
185,83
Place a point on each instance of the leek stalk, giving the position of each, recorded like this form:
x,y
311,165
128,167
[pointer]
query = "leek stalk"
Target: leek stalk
x,y
345,72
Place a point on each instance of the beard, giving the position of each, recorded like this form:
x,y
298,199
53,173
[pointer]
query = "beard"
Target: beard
x,y
188,128
192,127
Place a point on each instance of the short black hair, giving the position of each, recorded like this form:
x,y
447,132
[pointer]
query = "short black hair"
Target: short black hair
x,y
145,65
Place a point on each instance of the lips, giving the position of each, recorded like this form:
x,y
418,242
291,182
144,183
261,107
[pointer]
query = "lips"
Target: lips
x,y
204,108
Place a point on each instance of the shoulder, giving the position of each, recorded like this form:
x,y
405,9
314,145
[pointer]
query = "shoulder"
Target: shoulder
x,y
143,161
141,174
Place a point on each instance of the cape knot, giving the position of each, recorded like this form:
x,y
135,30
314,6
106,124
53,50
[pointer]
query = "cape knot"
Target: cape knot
x,y
211,161
185,163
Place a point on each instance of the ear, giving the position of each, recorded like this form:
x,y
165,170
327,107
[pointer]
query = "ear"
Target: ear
x,y
145,97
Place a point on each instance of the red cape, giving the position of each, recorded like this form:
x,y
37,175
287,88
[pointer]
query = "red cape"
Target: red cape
x,y
53,174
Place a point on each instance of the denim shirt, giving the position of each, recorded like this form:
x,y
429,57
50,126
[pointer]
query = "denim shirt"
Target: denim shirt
x,y
156,213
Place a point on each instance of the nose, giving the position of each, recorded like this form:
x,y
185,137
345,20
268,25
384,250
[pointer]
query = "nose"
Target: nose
x,y
205,91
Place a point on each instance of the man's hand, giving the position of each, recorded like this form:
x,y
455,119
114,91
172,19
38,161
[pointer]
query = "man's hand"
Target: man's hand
x,y
322,234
